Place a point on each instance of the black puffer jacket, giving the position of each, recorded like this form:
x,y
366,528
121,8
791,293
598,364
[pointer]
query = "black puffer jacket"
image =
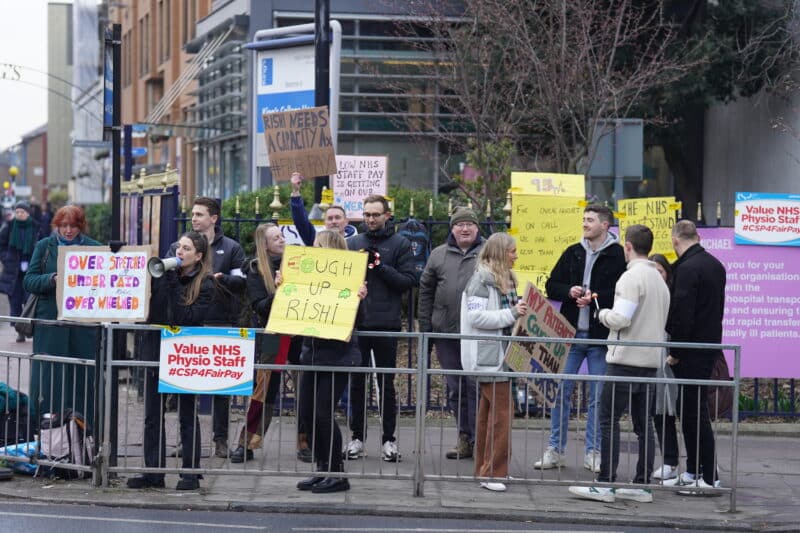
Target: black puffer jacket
x,y
387,282
568,272
327,352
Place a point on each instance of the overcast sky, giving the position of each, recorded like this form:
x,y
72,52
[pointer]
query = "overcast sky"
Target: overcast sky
x,y
23,42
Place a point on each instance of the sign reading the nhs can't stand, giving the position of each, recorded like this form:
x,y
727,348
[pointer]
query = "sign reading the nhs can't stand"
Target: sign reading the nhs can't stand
x,y
206,361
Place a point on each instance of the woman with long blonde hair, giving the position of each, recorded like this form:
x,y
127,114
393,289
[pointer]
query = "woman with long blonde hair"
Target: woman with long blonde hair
x,y
261,272
490,306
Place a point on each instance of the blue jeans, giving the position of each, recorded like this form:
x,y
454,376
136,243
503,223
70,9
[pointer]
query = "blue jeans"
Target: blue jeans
x,y
559,416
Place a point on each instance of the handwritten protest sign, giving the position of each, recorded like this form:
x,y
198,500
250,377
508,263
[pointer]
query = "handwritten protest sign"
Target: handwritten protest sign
x,y
548,184
319,293
96,285
767,219
206,361
658,214
299,141
542,320
358,177
543,226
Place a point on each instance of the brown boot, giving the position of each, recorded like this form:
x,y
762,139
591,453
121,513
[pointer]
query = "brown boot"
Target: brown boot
x,y
462,450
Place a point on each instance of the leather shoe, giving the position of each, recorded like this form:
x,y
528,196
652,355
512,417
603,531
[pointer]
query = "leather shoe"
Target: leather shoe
x,y
144,482
240,455
331,484
188,483
309,483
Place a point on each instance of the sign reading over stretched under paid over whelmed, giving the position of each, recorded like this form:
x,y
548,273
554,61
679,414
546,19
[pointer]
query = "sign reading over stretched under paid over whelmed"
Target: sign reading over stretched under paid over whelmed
x,y
318,296
543,226
206,361
95,284
299,141
542,320
656,213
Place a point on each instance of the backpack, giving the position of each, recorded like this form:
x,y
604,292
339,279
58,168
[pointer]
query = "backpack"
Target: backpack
x,y
65,440
417,235
720,399
14,424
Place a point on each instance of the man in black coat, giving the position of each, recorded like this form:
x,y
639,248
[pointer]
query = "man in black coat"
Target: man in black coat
x,y
696,310
391,272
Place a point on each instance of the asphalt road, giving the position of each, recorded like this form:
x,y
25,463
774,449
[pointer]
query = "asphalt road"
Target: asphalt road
x,y
46,518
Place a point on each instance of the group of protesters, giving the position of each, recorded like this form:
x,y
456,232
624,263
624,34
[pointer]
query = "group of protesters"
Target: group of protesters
x,y
608,288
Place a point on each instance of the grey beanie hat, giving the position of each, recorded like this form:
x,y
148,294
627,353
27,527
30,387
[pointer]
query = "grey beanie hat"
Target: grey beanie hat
x,y
463,214
22,204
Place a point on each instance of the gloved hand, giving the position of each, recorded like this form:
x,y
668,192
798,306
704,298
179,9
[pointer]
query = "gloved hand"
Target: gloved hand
x,y
374,258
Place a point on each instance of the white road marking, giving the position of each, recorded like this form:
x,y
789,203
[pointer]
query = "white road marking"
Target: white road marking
x,y
133,521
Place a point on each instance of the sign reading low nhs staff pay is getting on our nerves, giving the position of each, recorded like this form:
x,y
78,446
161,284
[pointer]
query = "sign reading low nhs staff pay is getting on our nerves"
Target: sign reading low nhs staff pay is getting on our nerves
x,y
285,81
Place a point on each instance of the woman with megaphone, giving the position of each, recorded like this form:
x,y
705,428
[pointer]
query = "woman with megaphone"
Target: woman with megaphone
x,y
180,296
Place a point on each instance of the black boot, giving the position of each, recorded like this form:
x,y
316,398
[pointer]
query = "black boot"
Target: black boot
x,y
331,484
240,455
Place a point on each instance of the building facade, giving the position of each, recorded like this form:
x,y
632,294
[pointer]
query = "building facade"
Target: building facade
x,y
59,97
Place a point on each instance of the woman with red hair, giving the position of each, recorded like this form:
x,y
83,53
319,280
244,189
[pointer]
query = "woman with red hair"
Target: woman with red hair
x,y
57,387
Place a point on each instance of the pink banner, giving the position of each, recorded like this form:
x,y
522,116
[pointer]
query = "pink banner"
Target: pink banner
x,y
762,304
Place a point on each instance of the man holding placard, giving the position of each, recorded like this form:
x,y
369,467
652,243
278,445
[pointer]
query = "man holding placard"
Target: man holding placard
x,y
390,274
335,218
584,277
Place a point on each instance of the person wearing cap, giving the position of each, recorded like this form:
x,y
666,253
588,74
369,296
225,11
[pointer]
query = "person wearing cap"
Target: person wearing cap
x,y
17,240
449,268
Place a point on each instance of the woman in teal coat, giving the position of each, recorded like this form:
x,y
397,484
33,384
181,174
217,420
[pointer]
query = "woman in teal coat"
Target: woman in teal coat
x,y
56,387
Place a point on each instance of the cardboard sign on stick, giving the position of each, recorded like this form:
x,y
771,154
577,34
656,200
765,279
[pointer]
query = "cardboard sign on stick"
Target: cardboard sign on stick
x,y
299,141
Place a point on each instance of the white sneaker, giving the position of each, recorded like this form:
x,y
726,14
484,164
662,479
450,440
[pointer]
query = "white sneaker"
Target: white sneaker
x,y
390,452
684,479
550,459
354,450
591,461
665,472
636,495
594,493
493,486
699,484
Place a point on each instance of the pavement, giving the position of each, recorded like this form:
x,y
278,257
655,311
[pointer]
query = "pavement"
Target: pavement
x,y
767,492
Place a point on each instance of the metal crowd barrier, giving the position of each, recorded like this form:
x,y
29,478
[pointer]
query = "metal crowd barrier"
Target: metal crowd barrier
x,y
422,443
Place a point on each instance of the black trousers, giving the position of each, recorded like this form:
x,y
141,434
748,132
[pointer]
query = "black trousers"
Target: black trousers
x,y
321,392
638,398
698,435
154,434
385,350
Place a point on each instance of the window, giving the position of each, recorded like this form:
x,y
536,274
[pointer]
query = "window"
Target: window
x,y
144,45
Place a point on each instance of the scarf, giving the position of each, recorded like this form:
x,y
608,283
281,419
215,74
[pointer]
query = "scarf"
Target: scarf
x,y
77,241
22,236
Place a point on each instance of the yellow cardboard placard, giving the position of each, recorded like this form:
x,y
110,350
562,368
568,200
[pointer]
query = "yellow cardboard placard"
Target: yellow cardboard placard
x,y
546,226
658,214
318,296
549,184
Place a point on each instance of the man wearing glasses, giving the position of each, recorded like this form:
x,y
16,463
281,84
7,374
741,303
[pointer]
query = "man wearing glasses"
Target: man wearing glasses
x,y
445,277
390,273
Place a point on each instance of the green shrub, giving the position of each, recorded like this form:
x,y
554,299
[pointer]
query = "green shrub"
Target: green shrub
x,y
98,218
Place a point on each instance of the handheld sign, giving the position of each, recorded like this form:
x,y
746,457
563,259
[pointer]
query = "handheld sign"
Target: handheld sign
x,y
299,141
542,320
206,361
95,284
319,293
358,177
658,214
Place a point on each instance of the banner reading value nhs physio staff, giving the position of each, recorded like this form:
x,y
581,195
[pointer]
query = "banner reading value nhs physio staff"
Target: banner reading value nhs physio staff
x,y
206,361
767,219
762,304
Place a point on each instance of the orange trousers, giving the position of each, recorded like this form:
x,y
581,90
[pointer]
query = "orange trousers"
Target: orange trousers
x,y
493,427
